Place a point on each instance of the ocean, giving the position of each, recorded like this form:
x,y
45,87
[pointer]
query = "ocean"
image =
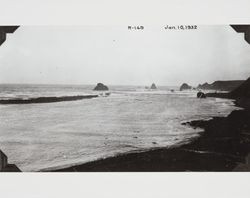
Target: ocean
x,y
132,119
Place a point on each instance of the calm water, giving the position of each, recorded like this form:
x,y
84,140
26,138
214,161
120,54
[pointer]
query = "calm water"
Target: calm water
x,y
40,136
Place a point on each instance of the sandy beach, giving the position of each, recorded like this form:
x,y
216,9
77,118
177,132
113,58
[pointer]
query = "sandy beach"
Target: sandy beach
x,y
222,146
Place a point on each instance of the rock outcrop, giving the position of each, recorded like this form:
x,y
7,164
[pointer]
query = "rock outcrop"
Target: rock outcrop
x,y
201,95
243,91
242,95
223,144
222,85
101,87
204,86
185,86
153,86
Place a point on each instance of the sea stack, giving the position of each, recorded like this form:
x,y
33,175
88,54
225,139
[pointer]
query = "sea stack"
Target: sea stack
x,y
201,95
185,86
101,87
153,86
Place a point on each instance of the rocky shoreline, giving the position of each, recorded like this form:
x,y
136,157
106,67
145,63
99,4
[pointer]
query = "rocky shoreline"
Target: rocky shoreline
x,y
223,145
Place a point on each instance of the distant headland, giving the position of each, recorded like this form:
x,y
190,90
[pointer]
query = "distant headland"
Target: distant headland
x,y
222,146
228,85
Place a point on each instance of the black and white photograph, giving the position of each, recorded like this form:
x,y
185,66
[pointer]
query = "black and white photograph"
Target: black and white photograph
x,y
124,99
135,98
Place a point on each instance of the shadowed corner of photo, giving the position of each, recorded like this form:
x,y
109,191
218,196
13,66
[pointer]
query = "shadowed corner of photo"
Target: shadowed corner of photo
x,y
6,30
5,166
243,29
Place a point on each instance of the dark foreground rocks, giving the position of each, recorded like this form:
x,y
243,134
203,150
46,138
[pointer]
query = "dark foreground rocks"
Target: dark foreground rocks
x,y
223,145
101,87
173,159
224,135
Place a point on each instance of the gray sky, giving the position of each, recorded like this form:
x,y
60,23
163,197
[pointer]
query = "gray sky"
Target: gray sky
x,y
116,55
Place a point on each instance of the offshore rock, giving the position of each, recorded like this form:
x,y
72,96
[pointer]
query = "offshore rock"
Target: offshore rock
x,y
153,86
201,95
101,87
185,86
